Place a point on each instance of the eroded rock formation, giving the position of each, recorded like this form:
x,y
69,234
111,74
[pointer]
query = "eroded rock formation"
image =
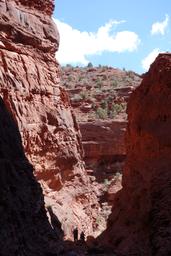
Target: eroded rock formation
x,y
140,223
29,86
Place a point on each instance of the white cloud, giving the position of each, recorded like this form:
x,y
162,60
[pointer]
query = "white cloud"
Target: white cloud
x,y
160,27
146,62
76,46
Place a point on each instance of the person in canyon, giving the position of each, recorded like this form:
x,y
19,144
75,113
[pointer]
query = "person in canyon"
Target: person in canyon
x,y
82,241
75,234
82,237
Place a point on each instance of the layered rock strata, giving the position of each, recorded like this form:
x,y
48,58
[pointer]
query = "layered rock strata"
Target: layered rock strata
x,y
29,86
140,223
104,148
103,143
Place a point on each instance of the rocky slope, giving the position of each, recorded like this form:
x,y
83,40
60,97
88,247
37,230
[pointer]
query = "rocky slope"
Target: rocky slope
x,y
29,86
99,98
98,93
140,223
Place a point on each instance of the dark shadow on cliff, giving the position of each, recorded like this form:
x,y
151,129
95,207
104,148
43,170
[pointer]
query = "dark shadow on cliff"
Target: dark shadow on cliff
x,y
85,249
70,247
140,223
25,229
104,238
56,225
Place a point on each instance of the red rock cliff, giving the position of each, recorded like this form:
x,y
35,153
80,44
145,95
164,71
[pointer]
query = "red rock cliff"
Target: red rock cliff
x,y
141,220
29,85
25,229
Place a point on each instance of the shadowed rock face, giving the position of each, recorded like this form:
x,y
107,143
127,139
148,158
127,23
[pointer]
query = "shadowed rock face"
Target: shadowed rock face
x,y
29,86
25,229
140,223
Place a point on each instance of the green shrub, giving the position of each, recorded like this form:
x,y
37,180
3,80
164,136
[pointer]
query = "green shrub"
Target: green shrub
x,y
104,104
114,83
89,65
117,109
101,113
84,95
68,65
106,182
69,78
130,74
99,84
80,78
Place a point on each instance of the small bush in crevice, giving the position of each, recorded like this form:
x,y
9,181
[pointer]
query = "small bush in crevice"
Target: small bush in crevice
x,y
101,113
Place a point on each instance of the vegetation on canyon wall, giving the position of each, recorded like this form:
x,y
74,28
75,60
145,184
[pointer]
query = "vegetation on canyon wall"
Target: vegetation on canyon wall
x,y
98,92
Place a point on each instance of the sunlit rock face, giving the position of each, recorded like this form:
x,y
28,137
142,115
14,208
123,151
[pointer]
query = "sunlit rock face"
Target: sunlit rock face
x,y
29,86
140,223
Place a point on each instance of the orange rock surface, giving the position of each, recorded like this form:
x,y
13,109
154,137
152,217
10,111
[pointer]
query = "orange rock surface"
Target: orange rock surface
x,y
103,139
29,85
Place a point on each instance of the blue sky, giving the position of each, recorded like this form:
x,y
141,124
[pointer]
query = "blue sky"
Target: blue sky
x,y
124,33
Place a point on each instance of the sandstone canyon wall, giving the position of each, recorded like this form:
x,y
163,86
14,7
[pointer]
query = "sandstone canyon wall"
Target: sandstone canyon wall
x,y
25,229
104,154
140,223
103,143
29,86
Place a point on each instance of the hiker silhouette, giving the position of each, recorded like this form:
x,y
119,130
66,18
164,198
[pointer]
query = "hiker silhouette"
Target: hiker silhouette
x,y
75,234
82,236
